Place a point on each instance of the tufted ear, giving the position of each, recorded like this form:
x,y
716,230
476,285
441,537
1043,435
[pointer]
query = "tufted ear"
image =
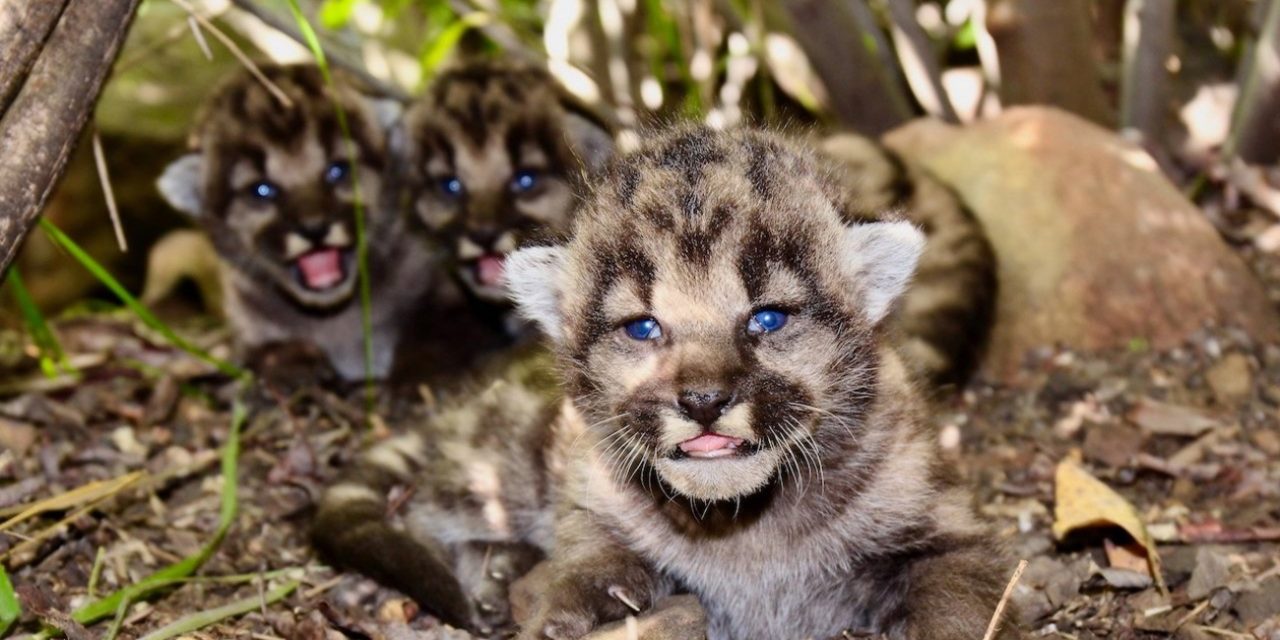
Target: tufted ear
x,y
533,278
591,141
881,257
182,184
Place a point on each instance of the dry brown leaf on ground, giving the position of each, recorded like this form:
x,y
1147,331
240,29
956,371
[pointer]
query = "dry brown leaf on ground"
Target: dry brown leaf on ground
x,y
1083,501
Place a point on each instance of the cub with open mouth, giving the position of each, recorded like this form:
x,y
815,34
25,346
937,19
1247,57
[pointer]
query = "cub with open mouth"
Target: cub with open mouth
x,y
756,439
273,181
494,152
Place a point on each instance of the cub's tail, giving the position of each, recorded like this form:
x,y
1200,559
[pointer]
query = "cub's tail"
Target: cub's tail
x,y
946,315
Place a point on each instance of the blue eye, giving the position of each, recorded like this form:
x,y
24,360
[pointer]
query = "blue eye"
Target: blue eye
x,y
264,190
766,321
643,329
524,181
451,186
337,172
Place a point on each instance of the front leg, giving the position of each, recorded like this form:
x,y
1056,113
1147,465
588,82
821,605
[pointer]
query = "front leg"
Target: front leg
x,y
595,580
953,595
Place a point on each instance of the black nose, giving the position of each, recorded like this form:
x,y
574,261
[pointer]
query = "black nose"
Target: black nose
x,y
313,230
704,407
484,238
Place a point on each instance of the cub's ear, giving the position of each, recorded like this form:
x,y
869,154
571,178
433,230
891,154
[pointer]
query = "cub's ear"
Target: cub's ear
x,y
881,257
533,278
589,139
182,184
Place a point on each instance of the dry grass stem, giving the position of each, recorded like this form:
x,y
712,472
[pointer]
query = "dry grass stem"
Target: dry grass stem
x,y
1004,601
100,161
235,51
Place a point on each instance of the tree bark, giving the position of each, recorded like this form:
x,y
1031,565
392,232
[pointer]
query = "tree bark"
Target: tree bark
x,y
40,126
1046,56
861,93
23,30
1148,43
1255,131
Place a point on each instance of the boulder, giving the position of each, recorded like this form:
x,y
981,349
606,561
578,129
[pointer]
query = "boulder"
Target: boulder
x,y
1095,246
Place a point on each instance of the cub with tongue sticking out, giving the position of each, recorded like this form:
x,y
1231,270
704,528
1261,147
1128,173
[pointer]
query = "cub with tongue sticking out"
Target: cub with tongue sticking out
x,y
756,440
273,182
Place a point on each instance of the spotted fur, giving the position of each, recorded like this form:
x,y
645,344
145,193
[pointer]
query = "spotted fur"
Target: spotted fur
x,y
480,478
945,318
825,507
488,125
288,260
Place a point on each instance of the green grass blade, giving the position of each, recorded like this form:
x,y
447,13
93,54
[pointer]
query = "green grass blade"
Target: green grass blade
x,y
202,619
178,571
444,44
10,609
362,241
52,359
98,271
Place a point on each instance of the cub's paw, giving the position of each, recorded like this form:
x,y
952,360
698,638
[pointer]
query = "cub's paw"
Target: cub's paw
x,y
291,365
572,610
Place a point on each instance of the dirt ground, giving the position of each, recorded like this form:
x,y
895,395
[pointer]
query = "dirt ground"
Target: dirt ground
x,y
1190,437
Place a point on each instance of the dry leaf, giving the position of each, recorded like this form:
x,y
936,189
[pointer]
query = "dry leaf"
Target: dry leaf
x,y
1162,418
1083,501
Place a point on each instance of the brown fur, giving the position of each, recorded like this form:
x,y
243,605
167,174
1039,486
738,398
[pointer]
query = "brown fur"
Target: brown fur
x,y
485,123
245,136
946,316
831,511
482,477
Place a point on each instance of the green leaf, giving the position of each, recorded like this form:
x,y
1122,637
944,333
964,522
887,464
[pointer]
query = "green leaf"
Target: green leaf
x,y
967,37
180,570
335,14
144,314
447,41
10,609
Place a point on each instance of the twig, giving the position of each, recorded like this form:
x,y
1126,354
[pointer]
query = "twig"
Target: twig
x,y
235,51
100,161
1004,600
199,36
1192,614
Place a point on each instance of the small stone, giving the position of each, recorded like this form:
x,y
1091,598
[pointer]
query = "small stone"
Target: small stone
x,y
1114,445
1212,571
1231,378
16,436
1254,607
1268,440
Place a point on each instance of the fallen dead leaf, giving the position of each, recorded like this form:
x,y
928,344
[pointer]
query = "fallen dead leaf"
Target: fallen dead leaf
x,y
1083,501
1162,418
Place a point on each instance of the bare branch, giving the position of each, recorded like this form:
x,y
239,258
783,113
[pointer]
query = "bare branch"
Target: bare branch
x,y
1148,42
919,62
24,26
42,124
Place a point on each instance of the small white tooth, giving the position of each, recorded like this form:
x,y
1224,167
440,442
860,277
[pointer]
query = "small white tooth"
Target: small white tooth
x,y
337,236
295,245
468,250
506,243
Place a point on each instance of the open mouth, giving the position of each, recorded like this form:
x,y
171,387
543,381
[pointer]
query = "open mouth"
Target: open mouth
x,y
488,269
322,269
714,445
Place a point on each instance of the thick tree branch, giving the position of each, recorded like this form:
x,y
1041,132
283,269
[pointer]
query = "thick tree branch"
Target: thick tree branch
x,y
1256,127
1046,56
42,124
1149,30
861,92
24,26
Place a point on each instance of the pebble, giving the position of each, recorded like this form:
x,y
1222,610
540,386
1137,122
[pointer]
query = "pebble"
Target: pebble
x,y
1231,378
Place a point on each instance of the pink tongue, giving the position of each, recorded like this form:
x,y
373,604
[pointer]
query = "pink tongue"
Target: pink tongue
x,y
489,269
321,269
709,443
